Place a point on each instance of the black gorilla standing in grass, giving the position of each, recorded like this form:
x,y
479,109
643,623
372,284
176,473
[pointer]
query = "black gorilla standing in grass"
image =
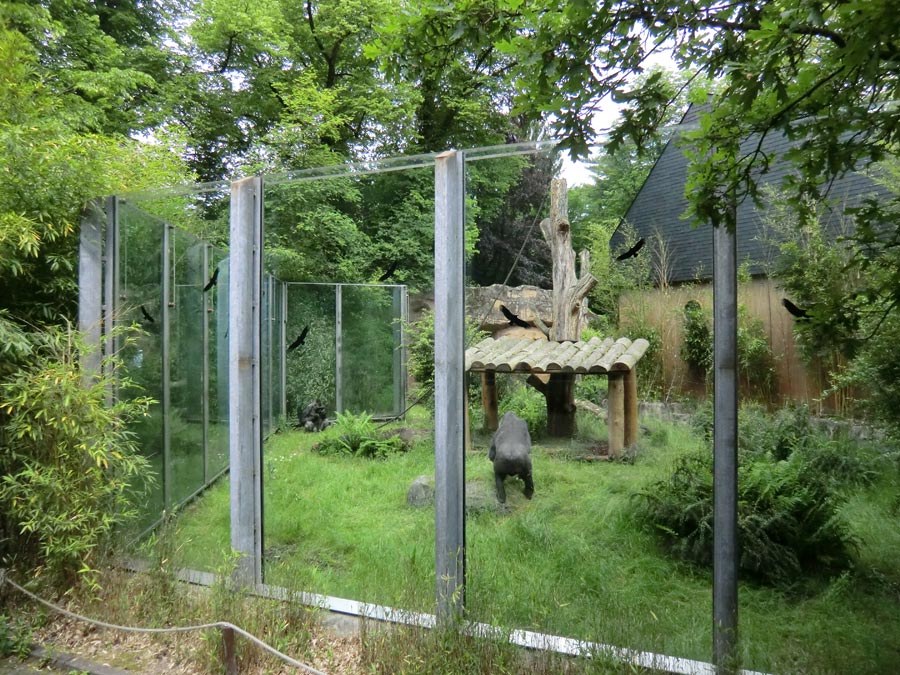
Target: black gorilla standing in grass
x,y
511,454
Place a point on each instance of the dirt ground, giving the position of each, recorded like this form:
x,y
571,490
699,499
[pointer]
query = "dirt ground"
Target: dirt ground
x,y
187,654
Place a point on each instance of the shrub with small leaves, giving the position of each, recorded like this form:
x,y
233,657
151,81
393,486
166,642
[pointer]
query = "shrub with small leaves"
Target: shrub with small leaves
x,y
527,403
69,461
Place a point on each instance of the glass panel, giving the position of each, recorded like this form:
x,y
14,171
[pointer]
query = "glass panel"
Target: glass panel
x,y
140,302
337,521
571,550
278,347
265,355
217,345
197,370
369,340
186,358
310,357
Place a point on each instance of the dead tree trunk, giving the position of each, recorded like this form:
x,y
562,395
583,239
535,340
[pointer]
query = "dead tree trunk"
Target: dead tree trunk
x,y
569,308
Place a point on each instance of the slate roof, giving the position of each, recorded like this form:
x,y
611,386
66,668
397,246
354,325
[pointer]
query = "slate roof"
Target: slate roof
x,y
660,206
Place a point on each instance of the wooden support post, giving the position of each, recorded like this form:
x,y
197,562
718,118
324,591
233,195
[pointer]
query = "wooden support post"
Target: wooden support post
x,y
489,400
467,446
615,414
631,408
228,654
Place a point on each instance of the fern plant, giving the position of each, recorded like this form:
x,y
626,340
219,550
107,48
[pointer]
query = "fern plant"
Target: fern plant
x,y
357,435
791,489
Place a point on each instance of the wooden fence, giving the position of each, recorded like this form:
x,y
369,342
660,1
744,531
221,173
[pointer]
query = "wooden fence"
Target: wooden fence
x,y
662,309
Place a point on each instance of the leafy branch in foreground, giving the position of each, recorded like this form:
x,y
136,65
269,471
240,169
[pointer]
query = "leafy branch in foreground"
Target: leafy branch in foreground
x,y
70,464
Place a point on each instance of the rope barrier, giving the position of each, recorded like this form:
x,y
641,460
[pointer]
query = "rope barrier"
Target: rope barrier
x,y
222,625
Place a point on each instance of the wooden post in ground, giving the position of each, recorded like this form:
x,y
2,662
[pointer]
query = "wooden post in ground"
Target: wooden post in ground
x,y
229,654
615,413
489,400
467,446
631,408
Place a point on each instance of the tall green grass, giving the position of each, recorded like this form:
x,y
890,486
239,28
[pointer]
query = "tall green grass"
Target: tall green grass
x,y
573,561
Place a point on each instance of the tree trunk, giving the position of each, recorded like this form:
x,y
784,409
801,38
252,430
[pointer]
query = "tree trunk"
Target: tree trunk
x,y
560,397
569,307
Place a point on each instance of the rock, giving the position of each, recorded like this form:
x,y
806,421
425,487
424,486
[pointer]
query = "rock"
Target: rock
x,y
421,492
480,496
407,435
527,302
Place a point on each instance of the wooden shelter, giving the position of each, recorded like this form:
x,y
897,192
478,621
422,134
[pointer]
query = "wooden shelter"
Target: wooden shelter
x,y
614,358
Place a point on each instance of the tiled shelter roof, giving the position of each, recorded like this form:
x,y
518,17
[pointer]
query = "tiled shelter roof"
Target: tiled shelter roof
x,y
599,356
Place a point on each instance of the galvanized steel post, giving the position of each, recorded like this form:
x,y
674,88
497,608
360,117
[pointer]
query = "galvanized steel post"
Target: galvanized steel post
x,y
166,350
244,324
725,462
449,402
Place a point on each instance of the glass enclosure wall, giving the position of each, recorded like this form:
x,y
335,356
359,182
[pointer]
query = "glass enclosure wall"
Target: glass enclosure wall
x,y
173,287
351,333
345,317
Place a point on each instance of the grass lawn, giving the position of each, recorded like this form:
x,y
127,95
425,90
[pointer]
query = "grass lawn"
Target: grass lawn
x,y
573,561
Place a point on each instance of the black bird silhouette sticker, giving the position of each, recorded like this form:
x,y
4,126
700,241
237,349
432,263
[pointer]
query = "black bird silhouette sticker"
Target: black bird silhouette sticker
x,y
390,271
794,310
147,315
513,319
633,251
300,339
212,280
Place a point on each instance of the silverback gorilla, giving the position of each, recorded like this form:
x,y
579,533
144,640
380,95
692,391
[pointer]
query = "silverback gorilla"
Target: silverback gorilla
x,y
511,454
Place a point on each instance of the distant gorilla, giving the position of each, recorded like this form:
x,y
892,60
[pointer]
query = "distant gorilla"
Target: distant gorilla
x,y
313,417
511,454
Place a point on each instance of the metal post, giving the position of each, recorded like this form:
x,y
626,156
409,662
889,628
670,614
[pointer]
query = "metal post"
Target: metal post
x,y
404,360
244,430
338,350
725,463
283,347
166,367
449,401
204,387
90,290
397,361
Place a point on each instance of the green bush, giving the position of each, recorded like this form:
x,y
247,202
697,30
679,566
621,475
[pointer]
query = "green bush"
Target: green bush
x,y
792,480
69,462
357,435
15,637
696,349
788,519
421,350
527,403
756,363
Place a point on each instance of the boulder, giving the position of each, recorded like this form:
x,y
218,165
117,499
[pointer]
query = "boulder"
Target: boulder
x,y
527,302
479,495
421,492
